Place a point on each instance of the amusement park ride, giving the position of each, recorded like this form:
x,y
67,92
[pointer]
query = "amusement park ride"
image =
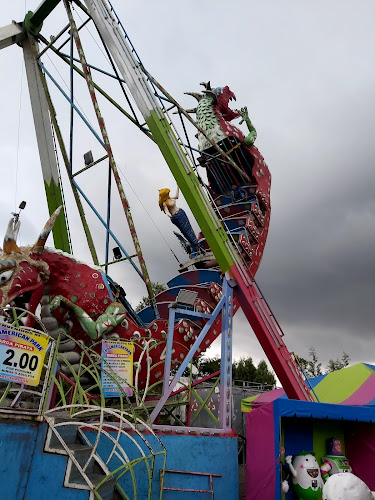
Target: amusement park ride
x,y
78,306
232,211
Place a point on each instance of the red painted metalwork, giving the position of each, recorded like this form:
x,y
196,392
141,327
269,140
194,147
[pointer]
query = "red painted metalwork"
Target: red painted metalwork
x,y
197,382
251,217
269,334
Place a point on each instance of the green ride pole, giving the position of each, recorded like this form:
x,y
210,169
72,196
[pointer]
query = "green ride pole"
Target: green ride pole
x,y
190,187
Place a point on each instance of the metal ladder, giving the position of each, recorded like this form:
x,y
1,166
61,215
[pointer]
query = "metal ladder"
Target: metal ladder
x,y
209,475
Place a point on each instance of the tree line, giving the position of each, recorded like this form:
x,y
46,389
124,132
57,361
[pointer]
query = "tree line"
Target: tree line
x,y
246,370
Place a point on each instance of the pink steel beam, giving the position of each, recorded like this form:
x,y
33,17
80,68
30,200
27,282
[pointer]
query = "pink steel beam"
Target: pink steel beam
x,y
269,335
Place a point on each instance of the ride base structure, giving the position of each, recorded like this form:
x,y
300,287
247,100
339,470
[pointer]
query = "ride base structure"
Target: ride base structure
x,y
104,410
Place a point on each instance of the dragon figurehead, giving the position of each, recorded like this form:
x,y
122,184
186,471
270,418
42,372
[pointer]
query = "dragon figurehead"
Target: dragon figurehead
x,y
214,115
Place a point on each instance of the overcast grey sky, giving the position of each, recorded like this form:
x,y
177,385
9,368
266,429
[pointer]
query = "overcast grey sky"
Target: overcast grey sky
x,y
306,72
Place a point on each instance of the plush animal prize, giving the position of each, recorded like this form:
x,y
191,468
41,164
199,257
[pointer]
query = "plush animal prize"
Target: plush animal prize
x,y
306,478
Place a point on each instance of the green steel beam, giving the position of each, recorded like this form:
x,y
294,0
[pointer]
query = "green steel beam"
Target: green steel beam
x,y
34,20
59,230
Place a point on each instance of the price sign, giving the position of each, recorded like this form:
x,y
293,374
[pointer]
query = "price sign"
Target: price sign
x,y
22,353
117,364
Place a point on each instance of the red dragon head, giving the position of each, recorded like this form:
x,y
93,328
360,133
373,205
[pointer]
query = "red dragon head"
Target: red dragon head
x,y
221,99
22,275
224,95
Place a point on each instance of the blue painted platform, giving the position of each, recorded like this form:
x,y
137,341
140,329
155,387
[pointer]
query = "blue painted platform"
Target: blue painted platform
x,y
27,472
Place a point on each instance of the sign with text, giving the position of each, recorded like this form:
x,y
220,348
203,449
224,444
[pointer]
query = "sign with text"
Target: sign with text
x,y
22,353
117,367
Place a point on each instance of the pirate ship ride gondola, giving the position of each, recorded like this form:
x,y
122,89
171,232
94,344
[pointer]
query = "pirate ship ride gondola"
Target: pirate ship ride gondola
x,y
238,178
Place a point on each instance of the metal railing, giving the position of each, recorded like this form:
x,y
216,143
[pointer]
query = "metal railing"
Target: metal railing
x,y
117,427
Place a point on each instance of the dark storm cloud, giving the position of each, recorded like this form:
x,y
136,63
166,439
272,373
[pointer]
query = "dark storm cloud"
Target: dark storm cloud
x,y
319,266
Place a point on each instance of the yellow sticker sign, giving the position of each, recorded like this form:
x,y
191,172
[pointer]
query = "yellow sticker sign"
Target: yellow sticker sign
x,y
117,367
22,353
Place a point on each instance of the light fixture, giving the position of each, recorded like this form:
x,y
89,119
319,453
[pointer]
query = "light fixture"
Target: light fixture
x,y
117,253
88,158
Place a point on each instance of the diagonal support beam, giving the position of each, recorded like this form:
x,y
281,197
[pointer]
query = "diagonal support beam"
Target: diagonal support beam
x,y
34,20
